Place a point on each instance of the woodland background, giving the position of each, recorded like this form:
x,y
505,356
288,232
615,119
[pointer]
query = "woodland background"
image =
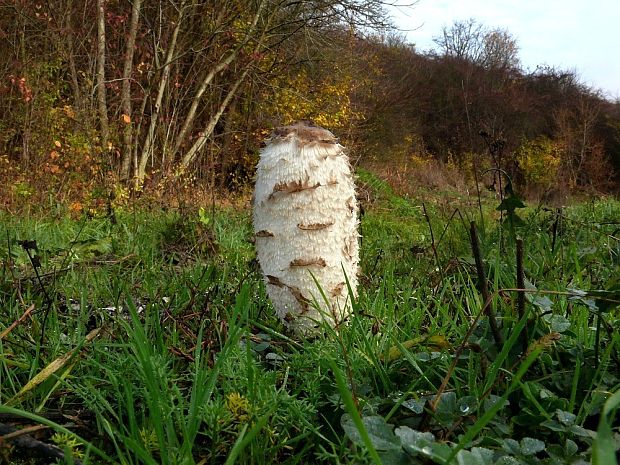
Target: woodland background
x,y
106,101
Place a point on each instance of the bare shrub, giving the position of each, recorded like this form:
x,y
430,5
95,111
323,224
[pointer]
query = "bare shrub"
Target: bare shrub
x,y
415,173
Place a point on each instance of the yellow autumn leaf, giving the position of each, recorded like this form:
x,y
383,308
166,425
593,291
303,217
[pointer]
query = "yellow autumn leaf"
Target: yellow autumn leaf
x,y
69,111
57,143
126,118
76,207
50,369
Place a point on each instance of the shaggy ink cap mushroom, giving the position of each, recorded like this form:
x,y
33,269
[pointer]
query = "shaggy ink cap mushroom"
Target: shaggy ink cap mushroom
x,y
306,226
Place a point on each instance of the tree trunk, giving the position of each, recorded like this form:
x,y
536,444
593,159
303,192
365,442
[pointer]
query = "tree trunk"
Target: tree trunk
x,y
226,148
77,94
148,143
189,119
101,93
208,130
126,89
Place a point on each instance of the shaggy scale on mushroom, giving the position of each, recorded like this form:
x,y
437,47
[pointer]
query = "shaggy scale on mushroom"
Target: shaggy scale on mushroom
x,y
306,224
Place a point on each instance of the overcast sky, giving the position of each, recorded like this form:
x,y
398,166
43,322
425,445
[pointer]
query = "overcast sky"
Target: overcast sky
x,y
582,35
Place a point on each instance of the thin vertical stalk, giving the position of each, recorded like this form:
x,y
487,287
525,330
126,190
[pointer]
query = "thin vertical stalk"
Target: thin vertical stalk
x,y
430,227
521,293
126,88
479,200
101,92
484,287
556,228
520,279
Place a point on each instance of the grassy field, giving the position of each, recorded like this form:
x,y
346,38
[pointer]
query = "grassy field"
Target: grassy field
x,y
150,340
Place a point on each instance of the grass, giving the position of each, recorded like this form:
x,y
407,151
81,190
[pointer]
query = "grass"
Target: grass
x,y
151,341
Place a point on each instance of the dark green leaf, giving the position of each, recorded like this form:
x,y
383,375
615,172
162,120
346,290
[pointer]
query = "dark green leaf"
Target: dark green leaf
x,y
511,446
604,447
380,432
394,457
447,407
509,460
475,456
510,204
566,418
531,446
558,323
467,405
415,405
570,448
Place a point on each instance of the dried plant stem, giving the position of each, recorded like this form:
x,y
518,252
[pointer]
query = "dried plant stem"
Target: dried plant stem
x,y
430,228
17,322
35,262
478,196
520,279
521,285
475,247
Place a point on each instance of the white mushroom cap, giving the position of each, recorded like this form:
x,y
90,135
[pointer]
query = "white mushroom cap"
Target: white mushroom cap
x,y
306,225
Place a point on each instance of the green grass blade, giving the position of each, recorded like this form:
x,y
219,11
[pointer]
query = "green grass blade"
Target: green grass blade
x,y
352,411
512,340
244,439
604,447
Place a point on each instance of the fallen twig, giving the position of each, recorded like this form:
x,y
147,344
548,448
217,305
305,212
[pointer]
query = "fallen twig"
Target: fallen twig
x,y
22,440
17,322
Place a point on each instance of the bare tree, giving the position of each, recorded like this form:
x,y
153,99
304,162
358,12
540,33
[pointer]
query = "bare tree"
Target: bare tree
x,y
224,63
576,133
126,89
101,91
463,39
241,32
472,41
500,50
70,55
147,149
208,130
185,61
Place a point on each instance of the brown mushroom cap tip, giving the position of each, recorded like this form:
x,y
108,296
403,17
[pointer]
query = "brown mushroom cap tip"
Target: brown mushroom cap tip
x,y
306,131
